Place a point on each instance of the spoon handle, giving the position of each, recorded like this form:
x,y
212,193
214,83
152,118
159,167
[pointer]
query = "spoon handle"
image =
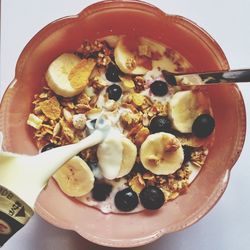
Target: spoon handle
x,y
231,76
241,75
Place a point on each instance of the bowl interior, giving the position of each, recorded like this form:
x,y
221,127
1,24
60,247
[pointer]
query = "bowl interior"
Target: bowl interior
x,y
134,19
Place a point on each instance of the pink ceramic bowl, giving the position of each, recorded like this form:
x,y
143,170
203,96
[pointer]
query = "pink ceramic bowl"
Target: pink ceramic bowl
x,y
141,19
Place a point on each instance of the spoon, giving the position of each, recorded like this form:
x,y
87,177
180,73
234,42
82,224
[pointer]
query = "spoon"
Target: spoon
x,y
228,76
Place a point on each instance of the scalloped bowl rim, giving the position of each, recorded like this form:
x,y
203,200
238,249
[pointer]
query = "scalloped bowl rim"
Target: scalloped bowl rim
x,y
155,235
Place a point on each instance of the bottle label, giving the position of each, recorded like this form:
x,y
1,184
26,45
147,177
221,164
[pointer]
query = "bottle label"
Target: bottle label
x,y
14,214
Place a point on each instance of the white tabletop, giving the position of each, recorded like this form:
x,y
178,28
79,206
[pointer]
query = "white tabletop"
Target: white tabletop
x,y
227,226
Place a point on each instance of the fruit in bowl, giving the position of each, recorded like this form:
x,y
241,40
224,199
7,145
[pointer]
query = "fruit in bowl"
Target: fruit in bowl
x,y
170,126
149,119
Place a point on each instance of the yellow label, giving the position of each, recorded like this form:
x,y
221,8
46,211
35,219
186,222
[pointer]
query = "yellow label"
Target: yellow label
x,y
13,206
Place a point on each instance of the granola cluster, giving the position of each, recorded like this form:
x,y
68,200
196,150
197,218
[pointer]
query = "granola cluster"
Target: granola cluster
x,y
171,185
60,120
99,50
142,110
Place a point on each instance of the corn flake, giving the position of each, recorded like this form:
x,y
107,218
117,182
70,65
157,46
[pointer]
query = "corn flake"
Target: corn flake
x,y
148,176
138,99
67,131
137,183
127,83
173,196
51,108
79,75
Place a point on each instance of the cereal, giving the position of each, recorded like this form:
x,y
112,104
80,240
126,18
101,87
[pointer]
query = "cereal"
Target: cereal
x,y
51,108
98,84
145,120
135,130
93,101
141,136
126,119
153,160
173,196
148,176
137,183
83,99
198,157
139,83
89,91
129,119
138,99
37,110
131,63
93,111
56,129
98,49
166,193
79,121
172,145
102,59
129,106
110,105
34,121
62,120
67,132
127,83
67,115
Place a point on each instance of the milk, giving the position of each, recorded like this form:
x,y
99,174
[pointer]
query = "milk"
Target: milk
x,y
27,175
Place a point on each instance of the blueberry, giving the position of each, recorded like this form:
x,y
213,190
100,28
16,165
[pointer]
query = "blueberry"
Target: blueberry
x,y
101,191
203,125
92,164
126,200
187,152
48,147
169,77
79,54
138,167
112,73
114,92
160,124
152,198
159,88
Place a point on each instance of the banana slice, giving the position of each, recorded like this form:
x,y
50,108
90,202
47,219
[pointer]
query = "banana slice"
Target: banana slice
x,y
154,47
164,63
116,155
161,153
111,40
126,60
68,75
75,177
184,107
128,157
130,62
